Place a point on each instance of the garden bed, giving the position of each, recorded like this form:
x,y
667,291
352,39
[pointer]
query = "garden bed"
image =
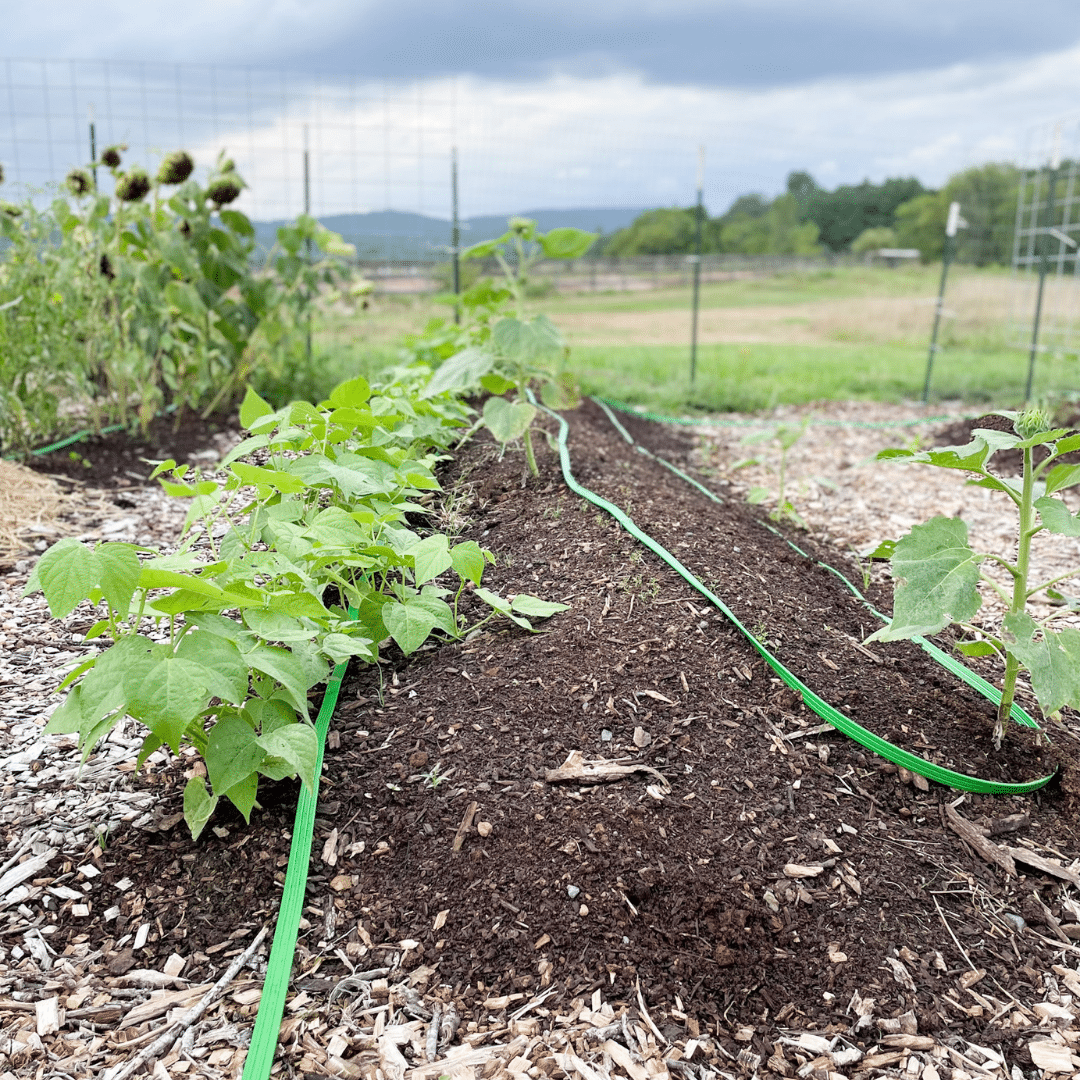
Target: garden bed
x,y
775,872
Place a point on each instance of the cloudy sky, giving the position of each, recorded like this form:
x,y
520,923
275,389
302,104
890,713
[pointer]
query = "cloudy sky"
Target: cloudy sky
x,y
551,102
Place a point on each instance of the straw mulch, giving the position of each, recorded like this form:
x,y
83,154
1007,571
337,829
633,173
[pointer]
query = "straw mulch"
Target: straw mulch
x,y
28,502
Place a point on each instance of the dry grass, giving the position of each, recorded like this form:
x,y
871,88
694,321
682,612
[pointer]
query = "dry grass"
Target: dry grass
x,y
27,501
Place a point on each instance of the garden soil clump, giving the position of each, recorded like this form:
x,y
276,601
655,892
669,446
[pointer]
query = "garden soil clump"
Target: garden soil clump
x,y
760,869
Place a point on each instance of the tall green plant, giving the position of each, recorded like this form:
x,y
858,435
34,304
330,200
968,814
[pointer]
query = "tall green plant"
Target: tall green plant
x,y
937,572
502,348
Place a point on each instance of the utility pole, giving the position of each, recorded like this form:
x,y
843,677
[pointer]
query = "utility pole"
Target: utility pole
x,y
954,222
696,259
1042,239
455,234
307,213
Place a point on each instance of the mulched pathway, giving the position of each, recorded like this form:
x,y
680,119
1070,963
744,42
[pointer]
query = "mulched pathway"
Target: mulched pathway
x,y
768,883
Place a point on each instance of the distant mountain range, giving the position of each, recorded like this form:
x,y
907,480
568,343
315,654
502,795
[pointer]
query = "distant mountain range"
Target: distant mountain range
x,y
401,235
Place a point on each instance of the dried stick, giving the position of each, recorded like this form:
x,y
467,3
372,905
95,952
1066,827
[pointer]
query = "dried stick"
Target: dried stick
x,y
164,1044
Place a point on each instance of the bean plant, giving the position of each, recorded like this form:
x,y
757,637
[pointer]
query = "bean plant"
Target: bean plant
x,y
938,574
783,437
113,307
501,352
289,563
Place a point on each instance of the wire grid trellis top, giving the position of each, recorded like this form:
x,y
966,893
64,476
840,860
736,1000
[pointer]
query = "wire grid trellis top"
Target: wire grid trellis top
x,y
1046,241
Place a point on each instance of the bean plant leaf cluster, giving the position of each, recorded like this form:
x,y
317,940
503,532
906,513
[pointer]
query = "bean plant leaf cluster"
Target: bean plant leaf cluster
x,y
291,562
938,575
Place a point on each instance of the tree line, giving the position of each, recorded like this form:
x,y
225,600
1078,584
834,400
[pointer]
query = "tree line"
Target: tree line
x,y
807,219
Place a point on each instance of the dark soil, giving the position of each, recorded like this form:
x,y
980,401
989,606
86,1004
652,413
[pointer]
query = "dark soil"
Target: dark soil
x,y
119,459
583,886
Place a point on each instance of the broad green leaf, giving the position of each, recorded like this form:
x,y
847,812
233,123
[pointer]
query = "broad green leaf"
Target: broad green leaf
x,y
267,716
536,608
232,753
561,392
409,624
431,557
285,482
119,574
1053,660
65,574
439,609
238,222
182,600
224,669
241,449
1061,477
252,408
281,665
276,625
242,795
1068,444
884,550
936,574
506,420
333,527
229,629
67,717
566,243
468,560
352,394
298,744
1056,517
166,693
339,647
459,371
198,805
185,298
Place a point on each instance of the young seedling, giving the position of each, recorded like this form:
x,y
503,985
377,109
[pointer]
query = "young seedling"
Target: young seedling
x,y
784,437
938,573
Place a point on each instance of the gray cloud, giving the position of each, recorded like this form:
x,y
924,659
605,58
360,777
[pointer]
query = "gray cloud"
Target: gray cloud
x,y
738,43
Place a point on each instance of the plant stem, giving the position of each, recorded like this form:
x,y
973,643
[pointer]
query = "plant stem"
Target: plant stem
x,y
1019,596
529,455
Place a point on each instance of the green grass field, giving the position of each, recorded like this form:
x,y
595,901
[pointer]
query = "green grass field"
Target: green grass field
x,y
834,334
750,377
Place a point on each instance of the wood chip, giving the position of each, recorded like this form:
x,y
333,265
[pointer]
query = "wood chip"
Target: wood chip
x,y
598,771
991,852
463,828
1047,866
1051,1056
795,870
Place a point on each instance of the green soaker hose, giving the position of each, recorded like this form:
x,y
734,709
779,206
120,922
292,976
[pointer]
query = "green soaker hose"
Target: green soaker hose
x,y
264,1038
814,702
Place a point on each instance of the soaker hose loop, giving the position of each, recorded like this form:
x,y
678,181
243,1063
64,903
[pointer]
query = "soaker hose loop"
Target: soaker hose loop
x,y
813,701
950,663
264,1038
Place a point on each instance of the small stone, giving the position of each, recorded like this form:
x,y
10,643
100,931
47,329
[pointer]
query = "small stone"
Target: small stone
x,y
583,910
605,735
573,892
484,828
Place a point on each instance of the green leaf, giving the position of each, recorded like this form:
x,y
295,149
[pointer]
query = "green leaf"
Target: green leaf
x,y
566,243
757,495
468,560
430,558
198,805
506,420
66,574
238,222
1054,661
232,752
494,383
277,626
351,394
493,600
252,408
224,670
256,475
242,795
298,744
267,716
1056,517
1061,477
536,608
936,573
339,647
166,693
281,665
409,624
66,718
150,743
459,371
119,574
884,550
975,648
561,392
